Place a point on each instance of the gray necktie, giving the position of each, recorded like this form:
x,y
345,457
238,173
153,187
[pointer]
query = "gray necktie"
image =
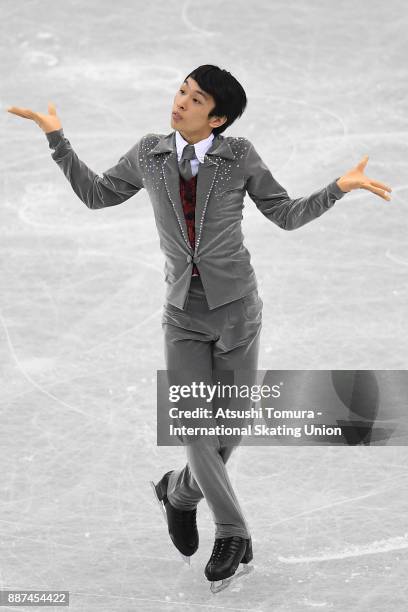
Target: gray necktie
x,y
184,163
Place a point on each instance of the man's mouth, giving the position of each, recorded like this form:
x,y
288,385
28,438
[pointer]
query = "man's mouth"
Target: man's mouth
x,y
176,116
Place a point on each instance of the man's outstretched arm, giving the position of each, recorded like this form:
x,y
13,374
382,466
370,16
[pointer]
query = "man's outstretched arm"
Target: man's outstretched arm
x,y
274,202
115,185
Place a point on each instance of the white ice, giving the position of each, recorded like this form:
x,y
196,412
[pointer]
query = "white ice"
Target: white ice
x,y
82,291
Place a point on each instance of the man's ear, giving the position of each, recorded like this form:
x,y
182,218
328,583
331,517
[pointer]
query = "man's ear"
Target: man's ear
x,y
218,121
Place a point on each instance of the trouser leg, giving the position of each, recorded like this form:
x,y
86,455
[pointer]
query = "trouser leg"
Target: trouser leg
x,y
235,361
186,358
205,474
183,490
206,462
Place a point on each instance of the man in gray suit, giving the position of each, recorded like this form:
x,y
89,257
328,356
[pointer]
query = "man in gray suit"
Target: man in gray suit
x,y
196,180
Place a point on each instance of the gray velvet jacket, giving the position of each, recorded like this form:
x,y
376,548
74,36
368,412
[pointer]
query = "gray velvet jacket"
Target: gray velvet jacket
x,y
231,168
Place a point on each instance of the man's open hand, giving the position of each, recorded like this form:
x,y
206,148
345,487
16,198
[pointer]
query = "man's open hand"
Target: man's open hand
x,y
48,123
356,179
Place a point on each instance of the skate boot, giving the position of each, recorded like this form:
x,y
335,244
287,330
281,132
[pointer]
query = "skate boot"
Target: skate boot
x,y
226,556
182,525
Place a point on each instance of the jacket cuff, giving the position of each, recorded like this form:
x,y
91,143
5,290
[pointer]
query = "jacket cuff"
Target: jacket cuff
x,y
55,138
335,190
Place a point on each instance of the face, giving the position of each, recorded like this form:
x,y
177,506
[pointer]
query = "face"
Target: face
x,y
190,110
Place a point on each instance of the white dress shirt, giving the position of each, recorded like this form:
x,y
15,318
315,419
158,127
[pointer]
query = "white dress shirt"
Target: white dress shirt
x,y
200,149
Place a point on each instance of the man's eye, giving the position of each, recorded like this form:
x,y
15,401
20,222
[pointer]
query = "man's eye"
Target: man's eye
x,y
195,99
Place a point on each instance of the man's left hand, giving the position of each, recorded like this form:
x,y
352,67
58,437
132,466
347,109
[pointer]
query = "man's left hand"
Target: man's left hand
x,y
356,179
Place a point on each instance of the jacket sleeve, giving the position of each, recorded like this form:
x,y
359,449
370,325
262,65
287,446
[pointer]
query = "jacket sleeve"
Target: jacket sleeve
x,y
116,185
274,202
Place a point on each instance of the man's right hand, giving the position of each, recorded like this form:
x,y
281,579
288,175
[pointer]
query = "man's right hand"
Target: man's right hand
x,y
48,123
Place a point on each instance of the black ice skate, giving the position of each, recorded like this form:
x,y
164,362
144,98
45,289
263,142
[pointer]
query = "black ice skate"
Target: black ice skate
x,y
182,526
226,556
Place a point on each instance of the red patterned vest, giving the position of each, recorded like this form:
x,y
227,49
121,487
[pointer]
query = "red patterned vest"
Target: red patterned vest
x,y
188,200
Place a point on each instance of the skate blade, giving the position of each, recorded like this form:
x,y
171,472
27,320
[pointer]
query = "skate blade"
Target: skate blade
x,y
220,585
163,511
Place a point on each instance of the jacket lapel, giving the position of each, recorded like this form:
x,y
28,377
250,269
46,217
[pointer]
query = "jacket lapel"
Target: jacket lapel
x,y
205,178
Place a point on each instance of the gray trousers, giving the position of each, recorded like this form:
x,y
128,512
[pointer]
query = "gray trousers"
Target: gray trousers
x,y
200,342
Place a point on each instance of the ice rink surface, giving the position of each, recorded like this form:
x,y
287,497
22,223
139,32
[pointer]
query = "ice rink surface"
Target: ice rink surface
x,y
82,293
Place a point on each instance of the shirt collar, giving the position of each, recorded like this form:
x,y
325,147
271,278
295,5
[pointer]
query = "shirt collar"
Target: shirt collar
x,y
200,147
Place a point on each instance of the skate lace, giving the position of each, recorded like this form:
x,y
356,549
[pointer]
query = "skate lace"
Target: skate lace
x,y
224,546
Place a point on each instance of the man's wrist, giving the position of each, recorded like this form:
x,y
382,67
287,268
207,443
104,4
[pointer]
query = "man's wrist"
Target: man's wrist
x,y
55,137
335,191
340,185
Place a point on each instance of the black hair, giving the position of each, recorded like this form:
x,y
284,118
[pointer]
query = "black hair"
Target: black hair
x,y
228,93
